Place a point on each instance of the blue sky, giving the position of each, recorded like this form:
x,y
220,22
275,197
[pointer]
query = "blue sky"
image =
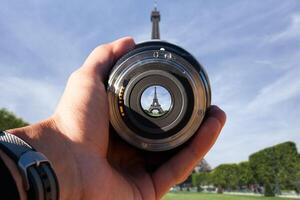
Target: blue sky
x,y
250,49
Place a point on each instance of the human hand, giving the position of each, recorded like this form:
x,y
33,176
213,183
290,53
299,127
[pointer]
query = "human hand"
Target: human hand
x,y
90,162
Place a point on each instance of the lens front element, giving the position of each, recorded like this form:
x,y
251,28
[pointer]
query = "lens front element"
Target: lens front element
x,y
156,101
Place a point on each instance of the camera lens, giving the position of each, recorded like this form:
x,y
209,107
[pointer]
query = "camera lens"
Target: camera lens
x,y
158,95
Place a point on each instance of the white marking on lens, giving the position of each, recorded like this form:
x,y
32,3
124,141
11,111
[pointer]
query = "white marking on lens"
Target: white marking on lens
x,y
168,56
155,54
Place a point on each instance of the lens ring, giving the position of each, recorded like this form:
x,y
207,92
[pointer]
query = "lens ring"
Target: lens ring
x,y
130,65
163,127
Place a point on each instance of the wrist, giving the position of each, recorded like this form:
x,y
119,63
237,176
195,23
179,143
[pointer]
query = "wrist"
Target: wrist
x,y
45,138
13,169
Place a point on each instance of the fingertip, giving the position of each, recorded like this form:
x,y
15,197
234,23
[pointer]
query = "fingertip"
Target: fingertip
x,y
122,46
125,39
206,135
210,129
218,113
100,61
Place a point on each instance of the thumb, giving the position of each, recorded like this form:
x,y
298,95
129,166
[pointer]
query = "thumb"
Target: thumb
x,y
102,57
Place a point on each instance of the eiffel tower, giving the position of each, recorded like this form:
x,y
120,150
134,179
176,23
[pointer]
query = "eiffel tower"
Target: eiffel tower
x,y
155,104
155,18
203,165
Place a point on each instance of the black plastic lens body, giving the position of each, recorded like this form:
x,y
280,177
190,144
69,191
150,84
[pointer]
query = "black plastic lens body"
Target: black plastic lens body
x,y
158,95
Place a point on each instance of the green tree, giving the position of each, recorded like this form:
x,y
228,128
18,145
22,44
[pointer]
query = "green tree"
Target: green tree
x,y
200,179
225,176
8,120
245,174
269,190
276,167
295,182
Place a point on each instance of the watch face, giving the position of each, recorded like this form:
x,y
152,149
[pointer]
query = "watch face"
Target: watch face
x,y
156,101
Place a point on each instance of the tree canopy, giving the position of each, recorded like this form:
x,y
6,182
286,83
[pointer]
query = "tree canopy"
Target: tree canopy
x,y
275,168
226,176
9,120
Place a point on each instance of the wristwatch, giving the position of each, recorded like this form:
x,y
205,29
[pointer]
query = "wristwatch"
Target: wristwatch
x,y
39,179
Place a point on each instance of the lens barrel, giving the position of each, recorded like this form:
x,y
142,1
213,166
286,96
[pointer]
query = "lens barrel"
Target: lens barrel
x,y
158,95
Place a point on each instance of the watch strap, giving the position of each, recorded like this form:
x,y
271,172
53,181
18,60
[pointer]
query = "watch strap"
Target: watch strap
x,y
39,178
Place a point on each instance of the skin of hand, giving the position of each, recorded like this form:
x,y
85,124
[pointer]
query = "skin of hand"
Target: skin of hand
x,y
90,162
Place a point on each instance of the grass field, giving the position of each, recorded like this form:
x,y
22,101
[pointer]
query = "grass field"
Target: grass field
x,y
206,196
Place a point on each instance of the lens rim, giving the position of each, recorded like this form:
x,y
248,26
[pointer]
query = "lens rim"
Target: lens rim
x,y
190,69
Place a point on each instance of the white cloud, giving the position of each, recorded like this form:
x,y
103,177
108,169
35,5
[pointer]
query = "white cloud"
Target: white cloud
x,y
291,32
283,89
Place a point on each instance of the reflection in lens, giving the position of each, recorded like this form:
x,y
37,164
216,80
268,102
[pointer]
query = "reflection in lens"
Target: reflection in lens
x,y
156,101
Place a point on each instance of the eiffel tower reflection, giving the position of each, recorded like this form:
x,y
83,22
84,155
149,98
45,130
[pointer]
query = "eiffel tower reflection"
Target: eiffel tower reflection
x,y
155,104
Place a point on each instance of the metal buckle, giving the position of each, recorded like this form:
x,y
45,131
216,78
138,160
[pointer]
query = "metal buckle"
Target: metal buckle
x,y
27,160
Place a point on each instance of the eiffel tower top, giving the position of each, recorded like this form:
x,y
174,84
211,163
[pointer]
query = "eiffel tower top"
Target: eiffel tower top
x,y
155,94
155,18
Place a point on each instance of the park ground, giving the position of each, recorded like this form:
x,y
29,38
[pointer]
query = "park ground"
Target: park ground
x,y
210,196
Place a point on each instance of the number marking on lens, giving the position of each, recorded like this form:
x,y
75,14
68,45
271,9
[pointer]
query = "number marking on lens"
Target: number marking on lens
x,y
155,54
121,101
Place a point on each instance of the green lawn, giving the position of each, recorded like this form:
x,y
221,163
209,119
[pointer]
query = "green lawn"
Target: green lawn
x,y
207,196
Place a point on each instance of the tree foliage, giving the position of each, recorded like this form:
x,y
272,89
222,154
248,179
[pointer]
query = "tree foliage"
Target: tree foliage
x,y
276,167
245,174
201,179
8,120
226,176
296,181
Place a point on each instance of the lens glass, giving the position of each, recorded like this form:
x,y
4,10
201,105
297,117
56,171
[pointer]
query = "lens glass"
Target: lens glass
x,y
156,101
